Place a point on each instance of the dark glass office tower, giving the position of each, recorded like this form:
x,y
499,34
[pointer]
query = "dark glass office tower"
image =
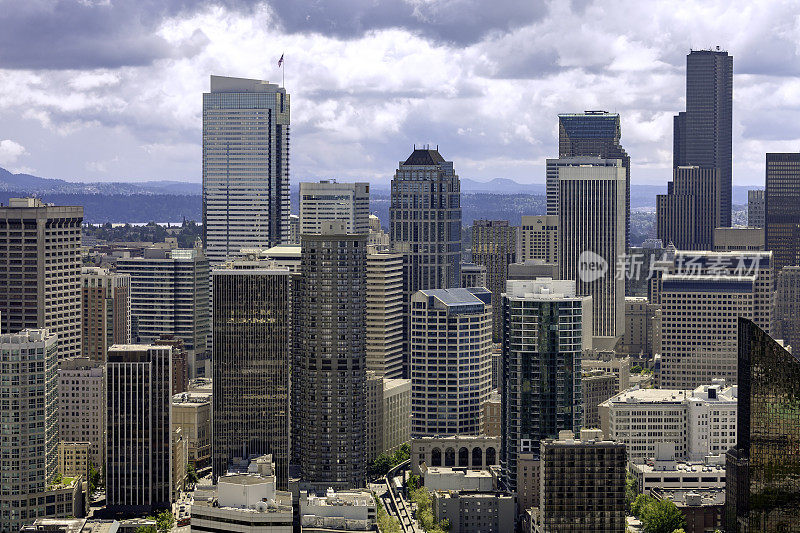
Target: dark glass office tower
x,y
688,214
782,209
702,134
329,376
763,470
494,246
591,133
251,367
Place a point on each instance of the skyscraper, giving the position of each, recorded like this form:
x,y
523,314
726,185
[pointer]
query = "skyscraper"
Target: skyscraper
x,y
703,133
245,166
138,428
329,373
46,291
786,310
545,329
592,239
384,343
106,311
782,209
494,245
763,470
755,208
250,367
538,238
690,211
592,133
425,225
451,349
29,432
82,405
169,296
328,201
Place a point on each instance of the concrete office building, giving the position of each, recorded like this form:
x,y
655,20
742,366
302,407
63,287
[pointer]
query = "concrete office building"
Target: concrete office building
x,y
245,500
388,419
592,238
786,310
286,256
703,133
546,329
451,346
755,208
782,209
385,320
473,275
690,211
294,229
592,133
327,201
329,373
425,223
537,238
461,479
492,416
663,471
47,239
191,412
611,363
106,311
597,386
494,245
169,296
73,459
29,432
738,239
642,328
138,463
699,422
762,472
82,405
250,364
180,370
702,508
582,485
474,511
353,510
245,166
532,269
699,327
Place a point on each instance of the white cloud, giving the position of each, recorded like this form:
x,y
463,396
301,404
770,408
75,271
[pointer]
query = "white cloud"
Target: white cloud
x,y
10,152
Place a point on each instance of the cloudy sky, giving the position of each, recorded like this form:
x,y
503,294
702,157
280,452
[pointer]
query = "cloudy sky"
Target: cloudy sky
x,y
111,89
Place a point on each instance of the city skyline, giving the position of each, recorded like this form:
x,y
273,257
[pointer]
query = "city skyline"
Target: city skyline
x,y
124,115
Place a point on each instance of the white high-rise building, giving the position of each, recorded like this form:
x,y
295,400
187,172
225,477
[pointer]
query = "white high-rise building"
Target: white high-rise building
x,y
700,422
592,239
331,201
451,349
537,238
245,166
82,405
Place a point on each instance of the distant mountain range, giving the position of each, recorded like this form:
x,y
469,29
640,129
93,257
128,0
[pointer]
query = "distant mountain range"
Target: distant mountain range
x,y
135,202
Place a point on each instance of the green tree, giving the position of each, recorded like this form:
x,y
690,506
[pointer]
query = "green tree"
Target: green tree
x,y
640,505
380,466
165,521
95,480
191,474
146,529
386,523
631,491
414,482
662,516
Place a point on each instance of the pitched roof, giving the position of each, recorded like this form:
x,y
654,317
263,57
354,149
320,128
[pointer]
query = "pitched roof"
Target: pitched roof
x,y
424,157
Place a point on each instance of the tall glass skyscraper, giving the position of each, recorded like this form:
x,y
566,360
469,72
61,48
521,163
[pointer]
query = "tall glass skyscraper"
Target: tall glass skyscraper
x,y
782,209
245,166
703,133
251,366
591,133
763,470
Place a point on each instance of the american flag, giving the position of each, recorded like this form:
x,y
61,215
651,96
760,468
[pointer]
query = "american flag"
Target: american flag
x,y
280,61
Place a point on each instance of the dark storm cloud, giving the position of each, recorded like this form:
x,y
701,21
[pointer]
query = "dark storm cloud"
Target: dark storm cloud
x,y
85,34
456,21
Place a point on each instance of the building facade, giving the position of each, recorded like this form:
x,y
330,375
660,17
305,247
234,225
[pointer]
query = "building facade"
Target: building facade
x,y
106,311
138,463
597,386
29,429
702,134
786,310
592,238
169,296
82,405
546,328
692,208
494,245
384,343
782,209
473,275
191,412
474,511
537,238
329,373
451,347
245,166
763,469
755,208
250,362
47,294
327,200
